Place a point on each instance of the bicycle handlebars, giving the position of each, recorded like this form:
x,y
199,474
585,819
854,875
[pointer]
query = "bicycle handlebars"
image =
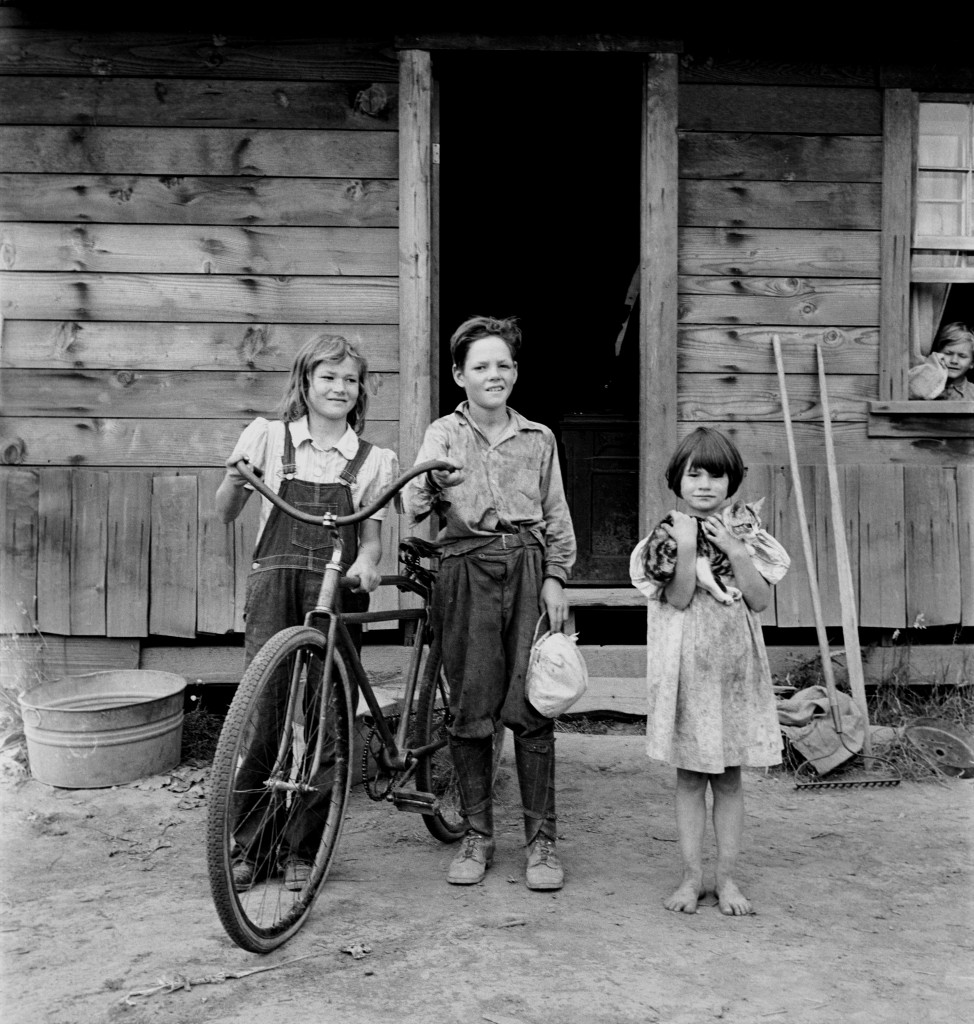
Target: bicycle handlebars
x,y
330,520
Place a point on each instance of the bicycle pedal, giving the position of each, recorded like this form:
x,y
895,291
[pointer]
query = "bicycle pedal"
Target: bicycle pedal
x,y
413,800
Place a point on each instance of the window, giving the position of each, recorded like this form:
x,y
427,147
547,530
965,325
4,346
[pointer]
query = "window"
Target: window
x,y
942,252
927,272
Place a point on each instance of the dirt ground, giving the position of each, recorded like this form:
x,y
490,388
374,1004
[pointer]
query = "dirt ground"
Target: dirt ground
x,y
863,899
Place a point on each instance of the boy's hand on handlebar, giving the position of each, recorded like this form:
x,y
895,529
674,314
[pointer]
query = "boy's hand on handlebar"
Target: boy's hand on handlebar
x,y
368,575
447,477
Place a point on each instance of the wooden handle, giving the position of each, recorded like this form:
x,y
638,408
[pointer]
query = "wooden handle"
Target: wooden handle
x,y
823,641
847,594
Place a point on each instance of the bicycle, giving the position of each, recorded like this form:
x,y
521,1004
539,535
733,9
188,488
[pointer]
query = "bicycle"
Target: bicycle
x,y
301,685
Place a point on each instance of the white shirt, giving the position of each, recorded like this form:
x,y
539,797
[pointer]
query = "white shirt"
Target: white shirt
x,y
262,441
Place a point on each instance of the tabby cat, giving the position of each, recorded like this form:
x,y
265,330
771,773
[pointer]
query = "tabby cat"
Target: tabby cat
x,y
741,518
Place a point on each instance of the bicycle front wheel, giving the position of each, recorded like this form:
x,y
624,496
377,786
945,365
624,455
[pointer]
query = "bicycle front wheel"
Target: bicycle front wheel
x,y
435,772
269,807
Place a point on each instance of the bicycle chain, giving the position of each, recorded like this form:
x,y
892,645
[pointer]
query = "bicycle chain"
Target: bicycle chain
x,y
374,792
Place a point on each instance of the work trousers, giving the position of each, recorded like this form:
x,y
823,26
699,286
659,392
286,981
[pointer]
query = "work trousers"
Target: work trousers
x,y
485,610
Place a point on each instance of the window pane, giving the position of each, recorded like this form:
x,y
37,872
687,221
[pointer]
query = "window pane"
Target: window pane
x,y
944,135
939,219
944,187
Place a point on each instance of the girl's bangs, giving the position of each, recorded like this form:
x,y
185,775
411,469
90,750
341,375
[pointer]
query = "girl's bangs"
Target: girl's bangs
x,y
711,453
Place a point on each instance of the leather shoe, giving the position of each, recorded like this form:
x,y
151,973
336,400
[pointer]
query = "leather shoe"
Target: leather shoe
x,y
544,870
296,874
244,875
472,860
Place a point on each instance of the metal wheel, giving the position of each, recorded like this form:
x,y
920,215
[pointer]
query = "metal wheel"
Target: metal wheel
x,y
264,805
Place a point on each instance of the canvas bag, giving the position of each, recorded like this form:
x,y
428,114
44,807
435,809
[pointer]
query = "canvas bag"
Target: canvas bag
x,y
557,675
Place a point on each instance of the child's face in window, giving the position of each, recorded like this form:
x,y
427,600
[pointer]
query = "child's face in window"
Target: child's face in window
x,y
957,357
488,373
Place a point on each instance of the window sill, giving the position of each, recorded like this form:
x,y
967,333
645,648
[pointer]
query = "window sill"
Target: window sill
x,y
915,418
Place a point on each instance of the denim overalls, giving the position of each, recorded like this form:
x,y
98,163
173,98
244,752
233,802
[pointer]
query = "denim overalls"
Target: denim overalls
x,y
282,587
291,556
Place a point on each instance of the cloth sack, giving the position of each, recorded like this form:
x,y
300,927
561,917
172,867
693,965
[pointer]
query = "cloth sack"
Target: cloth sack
x,y
806,719
928,379
557,675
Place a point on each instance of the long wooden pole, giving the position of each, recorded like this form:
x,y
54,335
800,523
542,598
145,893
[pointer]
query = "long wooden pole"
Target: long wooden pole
x,y
823,640
847,593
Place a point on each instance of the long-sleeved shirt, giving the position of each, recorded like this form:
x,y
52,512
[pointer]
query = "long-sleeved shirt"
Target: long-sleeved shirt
x,y
513,484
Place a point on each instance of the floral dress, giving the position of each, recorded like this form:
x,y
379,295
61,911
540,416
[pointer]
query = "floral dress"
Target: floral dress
x,y
711,703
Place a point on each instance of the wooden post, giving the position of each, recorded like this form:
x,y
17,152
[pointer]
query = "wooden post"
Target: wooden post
x,y
415,232
899,129
658,285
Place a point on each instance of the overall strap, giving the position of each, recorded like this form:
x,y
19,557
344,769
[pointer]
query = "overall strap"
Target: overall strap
x,y
351,471
289,465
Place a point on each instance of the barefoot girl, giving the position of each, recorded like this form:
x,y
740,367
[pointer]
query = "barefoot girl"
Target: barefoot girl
x,y
711,705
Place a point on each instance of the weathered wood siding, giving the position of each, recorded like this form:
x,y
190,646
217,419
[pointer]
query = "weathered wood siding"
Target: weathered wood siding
x,y
780,233
177,215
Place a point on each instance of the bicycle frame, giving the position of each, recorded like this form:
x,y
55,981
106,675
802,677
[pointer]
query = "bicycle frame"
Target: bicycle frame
x,y
395,753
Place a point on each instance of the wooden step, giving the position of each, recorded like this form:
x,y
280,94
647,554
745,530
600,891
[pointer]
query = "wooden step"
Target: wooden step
x,y
941,664
622,695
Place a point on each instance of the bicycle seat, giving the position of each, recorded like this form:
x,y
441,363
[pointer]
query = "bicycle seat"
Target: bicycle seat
x,y
418,548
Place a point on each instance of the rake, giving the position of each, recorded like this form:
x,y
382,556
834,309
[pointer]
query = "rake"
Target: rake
x,y
850,626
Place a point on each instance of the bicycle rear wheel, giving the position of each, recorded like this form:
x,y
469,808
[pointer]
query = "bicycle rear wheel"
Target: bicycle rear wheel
x,y
264,805
435,772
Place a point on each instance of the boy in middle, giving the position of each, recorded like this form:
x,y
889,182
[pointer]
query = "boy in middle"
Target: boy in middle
x,y
507,547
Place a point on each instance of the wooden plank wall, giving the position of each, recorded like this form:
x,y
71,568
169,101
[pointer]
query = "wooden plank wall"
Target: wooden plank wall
x,y
779,233
177,215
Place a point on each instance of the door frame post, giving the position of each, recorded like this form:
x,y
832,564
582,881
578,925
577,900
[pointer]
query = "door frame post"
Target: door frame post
x,y
658,285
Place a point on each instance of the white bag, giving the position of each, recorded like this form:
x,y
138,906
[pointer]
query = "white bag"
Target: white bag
x,y
928,379
557,675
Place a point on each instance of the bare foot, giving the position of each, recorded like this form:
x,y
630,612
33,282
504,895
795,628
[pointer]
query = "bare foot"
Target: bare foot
x,y
684,899
732,901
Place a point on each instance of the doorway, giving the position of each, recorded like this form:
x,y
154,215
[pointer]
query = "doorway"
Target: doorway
x,y
539,218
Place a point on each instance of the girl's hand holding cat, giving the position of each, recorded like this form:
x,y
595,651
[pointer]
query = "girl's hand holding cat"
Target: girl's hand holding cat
x,y
683,530
715,530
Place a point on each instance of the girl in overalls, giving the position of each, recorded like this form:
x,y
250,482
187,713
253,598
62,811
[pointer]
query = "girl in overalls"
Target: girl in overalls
x,y
315,459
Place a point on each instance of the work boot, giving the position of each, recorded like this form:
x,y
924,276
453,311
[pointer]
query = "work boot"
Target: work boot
x,y
535,759
296,874
473,760
244,874
470,864
544,870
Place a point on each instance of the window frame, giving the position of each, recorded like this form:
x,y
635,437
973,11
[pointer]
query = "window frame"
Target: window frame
x,y
894,413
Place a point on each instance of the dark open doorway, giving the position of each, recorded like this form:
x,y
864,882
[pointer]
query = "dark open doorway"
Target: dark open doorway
x,y
539,193
539,217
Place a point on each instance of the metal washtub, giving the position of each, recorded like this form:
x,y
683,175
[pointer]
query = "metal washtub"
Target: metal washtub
x,y
103,728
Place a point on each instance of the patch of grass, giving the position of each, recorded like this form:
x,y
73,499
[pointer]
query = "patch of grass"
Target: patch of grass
x,y
20,670
201,730
604,724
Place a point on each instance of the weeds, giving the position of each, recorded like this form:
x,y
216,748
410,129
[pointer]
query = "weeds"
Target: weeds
x,y
201,730
21,661
893,704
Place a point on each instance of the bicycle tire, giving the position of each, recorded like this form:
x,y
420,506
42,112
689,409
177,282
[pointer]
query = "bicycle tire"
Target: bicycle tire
x,y
435,772
265,915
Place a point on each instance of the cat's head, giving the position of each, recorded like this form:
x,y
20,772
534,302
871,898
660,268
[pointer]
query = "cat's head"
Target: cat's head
x,y
743,518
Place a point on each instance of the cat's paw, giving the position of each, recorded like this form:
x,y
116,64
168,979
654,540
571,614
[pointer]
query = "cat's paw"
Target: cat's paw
x,y
733,594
